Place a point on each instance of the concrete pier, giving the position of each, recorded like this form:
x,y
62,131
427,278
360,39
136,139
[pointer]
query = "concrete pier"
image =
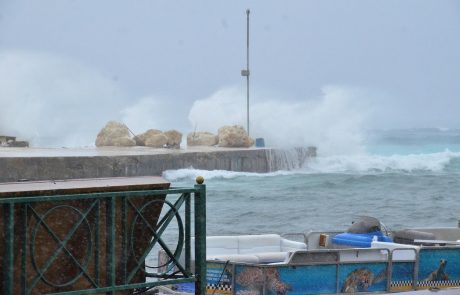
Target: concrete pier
x,y
70,163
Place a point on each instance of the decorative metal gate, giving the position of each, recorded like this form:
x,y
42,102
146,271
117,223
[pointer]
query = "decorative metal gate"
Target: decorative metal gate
x,y
98,240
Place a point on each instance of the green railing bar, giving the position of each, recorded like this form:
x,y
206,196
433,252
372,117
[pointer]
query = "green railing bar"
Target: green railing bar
x,y
167,219
188,221
97,242
169,215
62,245
8,259
82,196
124,239
167,250
157,236
200,239
127,287
110,245
24,250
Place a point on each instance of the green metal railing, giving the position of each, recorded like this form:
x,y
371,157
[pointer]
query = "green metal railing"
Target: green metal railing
x,y
98,242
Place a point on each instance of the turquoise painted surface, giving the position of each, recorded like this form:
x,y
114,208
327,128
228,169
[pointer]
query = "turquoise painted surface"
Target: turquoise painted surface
x,y
314,279
435,265
362,277
439,264
402,271
317,279
216,275
311,279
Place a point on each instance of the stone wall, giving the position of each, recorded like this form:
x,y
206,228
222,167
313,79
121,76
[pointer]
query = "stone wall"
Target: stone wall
x,y
72,167
43,168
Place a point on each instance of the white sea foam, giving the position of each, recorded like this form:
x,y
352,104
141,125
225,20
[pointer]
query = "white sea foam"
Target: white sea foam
x,y
435,163
191,173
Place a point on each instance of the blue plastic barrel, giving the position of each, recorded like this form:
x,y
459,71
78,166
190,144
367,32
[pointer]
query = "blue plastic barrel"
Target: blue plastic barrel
x,y
260,142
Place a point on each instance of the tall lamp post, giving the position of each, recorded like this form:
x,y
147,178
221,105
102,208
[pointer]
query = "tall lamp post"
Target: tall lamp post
x,y
245,72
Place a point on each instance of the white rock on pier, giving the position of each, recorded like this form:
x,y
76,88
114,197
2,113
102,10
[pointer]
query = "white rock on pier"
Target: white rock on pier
x,y
114,134
142,138
234,136
157,140
201,139
174,138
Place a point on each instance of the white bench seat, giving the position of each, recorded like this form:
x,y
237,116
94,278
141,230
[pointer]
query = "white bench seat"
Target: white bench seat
x,y
269,248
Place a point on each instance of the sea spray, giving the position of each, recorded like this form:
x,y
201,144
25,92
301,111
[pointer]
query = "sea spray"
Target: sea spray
x,y
155,112
57,101
333,122
54,101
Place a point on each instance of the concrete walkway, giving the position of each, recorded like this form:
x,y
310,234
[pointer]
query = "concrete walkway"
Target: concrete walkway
x,y
12,152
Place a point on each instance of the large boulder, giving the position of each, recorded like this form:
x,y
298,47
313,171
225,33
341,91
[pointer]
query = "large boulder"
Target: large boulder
x,y
157,140
122,141
201,138
142,138
114,134
174,138
234,136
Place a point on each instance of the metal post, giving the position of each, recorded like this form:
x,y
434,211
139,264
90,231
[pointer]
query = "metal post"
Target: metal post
x,y
25,238
8,259
200,239
246,72
110,243
188,219
247,65
124,239
97,243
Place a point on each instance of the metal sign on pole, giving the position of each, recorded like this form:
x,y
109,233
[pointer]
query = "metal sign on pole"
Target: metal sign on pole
x,y
245,72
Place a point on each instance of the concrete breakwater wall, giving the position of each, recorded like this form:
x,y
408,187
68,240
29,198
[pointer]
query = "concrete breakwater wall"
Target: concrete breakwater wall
x,y
44,164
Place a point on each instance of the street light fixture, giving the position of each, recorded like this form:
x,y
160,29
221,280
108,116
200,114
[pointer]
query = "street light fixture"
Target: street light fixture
x,y
245,72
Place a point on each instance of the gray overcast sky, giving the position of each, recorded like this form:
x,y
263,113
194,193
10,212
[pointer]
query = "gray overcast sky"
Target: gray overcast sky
x,y
404,54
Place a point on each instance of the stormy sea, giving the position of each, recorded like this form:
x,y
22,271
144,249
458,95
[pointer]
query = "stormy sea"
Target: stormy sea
x,y
405,178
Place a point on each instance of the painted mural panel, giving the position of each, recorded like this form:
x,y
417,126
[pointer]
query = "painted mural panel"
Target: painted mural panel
x,y
362,277
439,268
249,280
219,280
402,276
311,279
